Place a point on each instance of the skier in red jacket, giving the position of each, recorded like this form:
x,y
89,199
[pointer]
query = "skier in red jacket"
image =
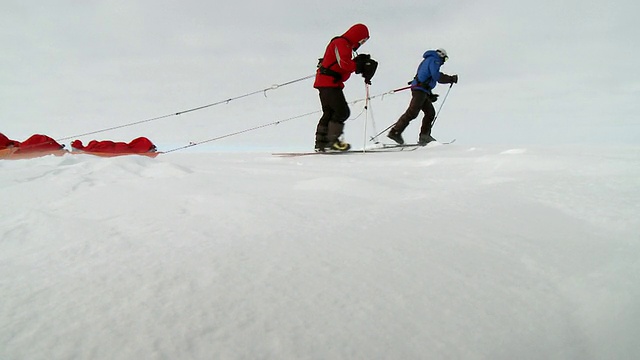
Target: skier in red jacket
x,y
334,69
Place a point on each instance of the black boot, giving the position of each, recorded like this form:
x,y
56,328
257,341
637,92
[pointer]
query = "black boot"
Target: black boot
x,y
395,136
333,137
322,142
425,139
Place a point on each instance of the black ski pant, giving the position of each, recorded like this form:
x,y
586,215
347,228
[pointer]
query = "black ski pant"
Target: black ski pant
x,y
419,102
335,111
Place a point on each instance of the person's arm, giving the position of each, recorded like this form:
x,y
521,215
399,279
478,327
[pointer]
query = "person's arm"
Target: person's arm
x,y
343,52
447,79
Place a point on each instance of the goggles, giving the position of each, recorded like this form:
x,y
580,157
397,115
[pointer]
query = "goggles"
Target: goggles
x,y
443,55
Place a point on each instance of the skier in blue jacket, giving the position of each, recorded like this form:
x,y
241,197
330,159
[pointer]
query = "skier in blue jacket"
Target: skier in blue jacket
x,y
427,76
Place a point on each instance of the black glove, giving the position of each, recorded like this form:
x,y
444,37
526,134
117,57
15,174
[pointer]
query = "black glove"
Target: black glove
x,y
447,79
361,61
432,97
369,70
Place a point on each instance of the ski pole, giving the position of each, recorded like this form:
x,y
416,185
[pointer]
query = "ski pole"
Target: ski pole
x,y
380,133
366,116
400,89
441,104
389,127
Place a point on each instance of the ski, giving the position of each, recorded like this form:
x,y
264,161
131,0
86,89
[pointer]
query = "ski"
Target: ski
x,y
399,146
393,146
396,147
355,151
411,145
293,154
381,149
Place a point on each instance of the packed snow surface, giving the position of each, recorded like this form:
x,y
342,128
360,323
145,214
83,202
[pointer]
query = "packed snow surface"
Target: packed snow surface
x,y
446,252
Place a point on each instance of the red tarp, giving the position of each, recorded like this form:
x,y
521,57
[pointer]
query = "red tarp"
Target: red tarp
x,y
141,146
40,145
5,142
36,145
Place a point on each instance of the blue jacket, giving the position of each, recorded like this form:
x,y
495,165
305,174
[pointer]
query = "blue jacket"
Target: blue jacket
x,y
428,72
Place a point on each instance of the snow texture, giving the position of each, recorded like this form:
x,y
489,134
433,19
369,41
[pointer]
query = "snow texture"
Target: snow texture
x,y
447,252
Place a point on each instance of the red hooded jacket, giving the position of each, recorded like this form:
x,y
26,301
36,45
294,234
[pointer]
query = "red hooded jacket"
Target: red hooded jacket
x,y
338,56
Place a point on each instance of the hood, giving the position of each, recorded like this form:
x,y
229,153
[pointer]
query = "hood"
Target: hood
x,y
431,53
356,33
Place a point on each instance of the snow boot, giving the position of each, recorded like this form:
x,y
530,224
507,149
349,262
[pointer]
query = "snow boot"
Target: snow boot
x,y
322,143
340,146
321,146
395,136
423,140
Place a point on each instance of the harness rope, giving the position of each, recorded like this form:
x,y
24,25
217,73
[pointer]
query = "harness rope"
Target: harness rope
x,y
367,104
263,91
226,101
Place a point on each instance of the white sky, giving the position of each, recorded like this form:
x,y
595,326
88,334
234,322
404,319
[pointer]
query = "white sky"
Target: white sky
x,y
536,72
462,251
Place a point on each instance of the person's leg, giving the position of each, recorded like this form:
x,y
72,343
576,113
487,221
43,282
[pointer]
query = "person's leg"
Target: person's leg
x,y
427,123
323,124
340,114
418,99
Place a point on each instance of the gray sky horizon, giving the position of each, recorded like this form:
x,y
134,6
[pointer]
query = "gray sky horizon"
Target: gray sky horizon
x,y
532,73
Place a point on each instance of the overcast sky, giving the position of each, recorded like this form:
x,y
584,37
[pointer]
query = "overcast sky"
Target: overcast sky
x,y
536,72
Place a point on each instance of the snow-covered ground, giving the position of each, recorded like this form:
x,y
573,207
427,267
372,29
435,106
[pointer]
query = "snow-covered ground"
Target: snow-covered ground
x,y
447,252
